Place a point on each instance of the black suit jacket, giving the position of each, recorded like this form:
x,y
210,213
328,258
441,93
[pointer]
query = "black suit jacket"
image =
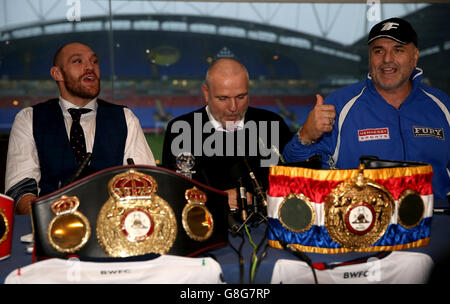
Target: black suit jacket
x,y
222,171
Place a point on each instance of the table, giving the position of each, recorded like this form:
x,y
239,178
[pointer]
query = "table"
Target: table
x,y
438,250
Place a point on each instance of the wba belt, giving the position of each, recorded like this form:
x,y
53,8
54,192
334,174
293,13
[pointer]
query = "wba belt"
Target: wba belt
x,y
129,211
337,211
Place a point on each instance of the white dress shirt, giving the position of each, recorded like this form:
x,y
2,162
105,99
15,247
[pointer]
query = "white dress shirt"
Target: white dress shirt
x,y
230,126
23,160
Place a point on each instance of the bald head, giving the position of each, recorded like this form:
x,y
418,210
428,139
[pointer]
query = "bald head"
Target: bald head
x,y
225,68
226,90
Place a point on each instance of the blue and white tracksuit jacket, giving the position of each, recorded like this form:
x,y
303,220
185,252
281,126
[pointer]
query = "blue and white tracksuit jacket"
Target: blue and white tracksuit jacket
x,y
367,125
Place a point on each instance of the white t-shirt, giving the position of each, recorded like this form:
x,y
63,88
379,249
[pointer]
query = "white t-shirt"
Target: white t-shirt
x,y
166,269
395,268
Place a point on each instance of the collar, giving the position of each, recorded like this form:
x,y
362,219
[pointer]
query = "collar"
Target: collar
x,y
66,105
416,77
230,127
416,80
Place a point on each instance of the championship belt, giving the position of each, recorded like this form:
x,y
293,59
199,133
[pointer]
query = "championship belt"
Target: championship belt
x,y
135,220
130,211
337,211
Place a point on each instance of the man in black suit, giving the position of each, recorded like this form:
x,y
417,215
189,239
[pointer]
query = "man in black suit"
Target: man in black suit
x,y
226,134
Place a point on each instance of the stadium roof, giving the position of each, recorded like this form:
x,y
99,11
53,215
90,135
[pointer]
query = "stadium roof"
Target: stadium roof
x,y
344,23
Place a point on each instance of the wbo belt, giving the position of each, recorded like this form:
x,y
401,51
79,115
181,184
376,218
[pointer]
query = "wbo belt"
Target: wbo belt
x,y
129,211
338,211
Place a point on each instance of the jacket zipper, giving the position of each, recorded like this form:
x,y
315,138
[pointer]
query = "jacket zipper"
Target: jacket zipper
x,y
401,135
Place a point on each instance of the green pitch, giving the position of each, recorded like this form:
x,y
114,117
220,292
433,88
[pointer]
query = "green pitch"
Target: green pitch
x,y
155,141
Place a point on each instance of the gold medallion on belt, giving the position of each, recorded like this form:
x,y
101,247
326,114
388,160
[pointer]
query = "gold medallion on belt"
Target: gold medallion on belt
x,y
358,212
135,220
69,230
4,226
196,218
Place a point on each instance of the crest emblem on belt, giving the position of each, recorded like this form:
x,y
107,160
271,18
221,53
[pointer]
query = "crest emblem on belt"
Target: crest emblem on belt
x,y
358,212
4,226
135,220
69,230
196,218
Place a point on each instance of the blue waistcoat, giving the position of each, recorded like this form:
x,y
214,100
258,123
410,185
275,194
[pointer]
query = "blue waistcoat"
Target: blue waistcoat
x,y
56,158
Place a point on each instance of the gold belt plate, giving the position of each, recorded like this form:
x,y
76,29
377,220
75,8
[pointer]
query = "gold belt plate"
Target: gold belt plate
x,y
358,212
135,220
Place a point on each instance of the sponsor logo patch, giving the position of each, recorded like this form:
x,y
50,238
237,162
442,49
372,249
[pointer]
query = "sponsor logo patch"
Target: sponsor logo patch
x,y
373,134
428,132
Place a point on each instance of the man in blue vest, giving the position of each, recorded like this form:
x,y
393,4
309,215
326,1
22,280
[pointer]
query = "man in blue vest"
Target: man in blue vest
x,y
49,141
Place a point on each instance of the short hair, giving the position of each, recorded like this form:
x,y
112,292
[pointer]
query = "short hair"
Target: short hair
x,y
58,52
57,55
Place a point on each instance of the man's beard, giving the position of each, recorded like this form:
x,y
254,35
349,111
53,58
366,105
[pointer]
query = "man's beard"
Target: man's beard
x,y
75,88
387,85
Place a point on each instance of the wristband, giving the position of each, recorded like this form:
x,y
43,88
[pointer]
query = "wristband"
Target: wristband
x,y
302,142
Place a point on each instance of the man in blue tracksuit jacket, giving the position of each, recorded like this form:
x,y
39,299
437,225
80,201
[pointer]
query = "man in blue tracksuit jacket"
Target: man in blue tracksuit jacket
x,y
391,114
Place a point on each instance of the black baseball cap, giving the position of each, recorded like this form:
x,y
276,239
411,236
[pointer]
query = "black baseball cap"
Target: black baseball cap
x,y
394,28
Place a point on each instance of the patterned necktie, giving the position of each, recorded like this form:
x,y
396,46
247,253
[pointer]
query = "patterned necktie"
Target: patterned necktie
x,y
77,141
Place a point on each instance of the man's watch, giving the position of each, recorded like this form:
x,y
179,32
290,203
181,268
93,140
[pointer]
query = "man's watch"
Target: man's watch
x,y
302,142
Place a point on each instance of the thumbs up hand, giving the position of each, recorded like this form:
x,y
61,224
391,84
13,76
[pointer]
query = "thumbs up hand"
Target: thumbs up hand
x,y
320,120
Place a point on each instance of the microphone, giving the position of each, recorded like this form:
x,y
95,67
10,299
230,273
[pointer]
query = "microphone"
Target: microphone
x,y
258,187
80,169
277,152
130,161
274,149
242,199
237,173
